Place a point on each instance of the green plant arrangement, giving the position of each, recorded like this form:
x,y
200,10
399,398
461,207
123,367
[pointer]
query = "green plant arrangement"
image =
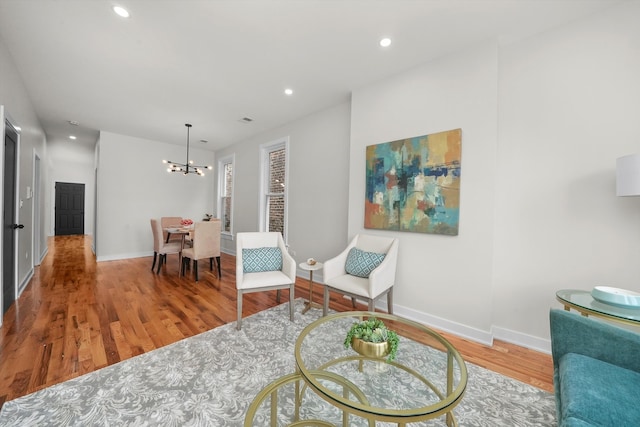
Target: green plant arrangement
x,y
375,331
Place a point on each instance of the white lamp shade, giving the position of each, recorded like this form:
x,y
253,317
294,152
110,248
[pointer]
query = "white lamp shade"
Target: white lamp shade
x,y
628,175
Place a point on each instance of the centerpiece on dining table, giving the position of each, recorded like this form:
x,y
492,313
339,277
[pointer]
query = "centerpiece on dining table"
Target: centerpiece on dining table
x,y
186,223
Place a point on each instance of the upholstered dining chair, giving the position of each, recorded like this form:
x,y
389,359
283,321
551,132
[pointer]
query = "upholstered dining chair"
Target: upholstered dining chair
x,y
366,269
170,221
206,244
160,247
263,264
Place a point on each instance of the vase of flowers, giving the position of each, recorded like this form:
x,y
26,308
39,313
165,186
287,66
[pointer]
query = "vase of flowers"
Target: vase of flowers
x,y
371,338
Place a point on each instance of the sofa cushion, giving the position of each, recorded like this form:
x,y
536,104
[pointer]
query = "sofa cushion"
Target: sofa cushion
x,y
597,393
256,260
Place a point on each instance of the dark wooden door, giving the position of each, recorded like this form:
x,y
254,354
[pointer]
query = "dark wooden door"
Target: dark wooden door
x,y
69,208
9,217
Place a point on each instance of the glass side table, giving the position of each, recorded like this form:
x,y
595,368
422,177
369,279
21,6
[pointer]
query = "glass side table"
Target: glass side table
x,y
583,302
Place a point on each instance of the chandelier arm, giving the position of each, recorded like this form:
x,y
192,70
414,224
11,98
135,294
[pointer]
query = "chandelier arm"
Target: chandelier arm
x,y
187,161
187,168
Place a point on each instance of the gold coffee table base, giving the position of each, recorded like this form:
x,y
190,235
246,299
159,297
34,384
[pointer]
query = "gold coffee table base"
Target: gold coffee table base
x,y
272,391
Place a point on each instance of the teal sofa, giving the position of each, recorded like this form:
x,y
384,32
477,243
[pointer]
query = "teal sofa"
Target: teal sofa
x,y
596,371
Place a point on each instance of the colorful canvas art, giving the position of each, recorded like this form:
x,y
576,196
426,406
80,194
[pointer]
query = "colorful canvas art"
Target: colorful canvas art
x,y
413,184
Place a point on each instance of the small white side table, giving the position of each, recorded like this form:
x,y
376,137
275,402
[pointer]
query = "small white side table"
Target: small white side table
x,y
310,268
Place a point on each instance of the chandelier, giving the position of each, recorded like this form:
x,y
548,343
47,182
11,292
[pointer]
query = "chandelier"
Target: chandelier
x,y
188,167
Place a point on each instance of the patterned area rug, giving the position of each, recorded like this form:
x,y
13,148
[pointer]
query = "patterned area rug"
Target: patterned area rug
x,y
212,378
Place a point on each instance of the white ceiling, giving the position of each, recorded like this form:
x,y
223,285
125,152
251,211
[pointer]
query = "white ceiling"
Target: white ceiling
x,y
212,62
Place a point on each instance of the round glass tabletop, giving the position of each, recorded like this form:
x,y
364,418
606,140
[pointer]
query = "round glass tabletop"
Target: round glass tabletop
x,y
585,303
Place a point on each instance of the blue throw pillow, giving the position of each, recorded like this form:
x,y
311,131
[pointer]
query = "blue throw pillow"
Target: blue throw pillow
x,y
261,259
361,263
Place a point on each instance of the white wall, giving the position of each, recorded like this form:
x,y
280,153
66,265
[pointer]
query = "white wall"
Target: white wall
x,y
318,189
17,104
569,106
71,161
134,186
543,121
439,277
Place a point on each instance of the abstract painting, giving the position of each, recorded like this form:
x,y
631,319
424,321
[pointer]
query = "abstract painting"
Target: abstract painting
x,y
413,184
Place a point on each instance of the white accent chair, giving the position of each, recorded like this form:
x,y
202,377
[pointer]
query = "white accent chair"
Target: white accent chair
x,y
380,280
264,280
160,247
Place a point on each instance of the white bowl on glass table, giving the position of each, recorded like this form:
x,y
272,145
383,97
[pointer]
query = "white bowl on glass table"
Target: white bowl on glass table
x,y
616,296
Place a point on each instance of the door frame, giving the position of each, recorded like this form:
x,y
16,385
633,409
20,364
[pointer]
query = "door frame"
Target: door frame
x,y
4,115
36,208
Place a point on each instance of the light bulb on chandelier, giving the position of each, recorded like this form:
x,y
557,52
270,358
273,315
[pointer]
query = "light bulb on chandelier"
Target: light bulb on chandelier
x,y
187,167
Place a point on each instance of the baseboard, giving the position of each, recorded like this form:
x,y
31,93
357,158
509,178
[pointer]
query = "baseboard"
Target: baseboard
x,y
467,332
25,282
523,340
124,256
135,255
441,324
43,254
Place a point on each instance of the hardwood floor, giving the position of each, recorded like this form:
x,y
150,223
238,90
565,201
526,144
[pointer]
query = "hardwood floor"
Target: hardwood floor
x,y
76,316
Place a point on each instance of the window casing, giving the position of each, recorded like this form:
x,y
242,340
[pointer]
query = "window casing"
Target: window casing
x,y
225,194
274,185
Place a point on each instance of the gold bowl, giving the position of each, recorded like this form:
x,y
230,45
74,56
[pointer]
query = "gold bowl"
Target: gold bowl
x,y
373,350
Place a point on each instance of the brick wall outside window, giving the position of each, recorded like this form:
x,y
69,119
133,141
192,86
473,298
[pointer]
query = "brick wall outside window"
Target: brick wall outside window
x,y
226,198
275,201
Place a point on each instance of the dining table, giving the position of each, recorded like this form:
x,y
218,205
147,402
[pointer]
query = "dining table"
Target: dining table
x,y
183,232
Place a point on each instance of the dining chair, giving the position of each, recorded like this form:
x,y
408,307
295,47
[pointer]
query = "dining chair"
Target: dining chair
x,y
161,247
366,269
263,264
168,222
206,244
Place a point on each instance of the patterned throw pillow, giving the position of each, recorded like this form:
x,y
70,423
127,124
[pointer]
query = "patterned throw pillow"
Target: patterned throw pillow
x,y
361,263
261,259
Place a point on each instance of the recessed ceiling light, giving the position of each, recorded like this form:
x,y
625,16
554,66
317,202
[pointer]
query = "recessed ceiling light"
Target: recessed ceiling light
x,y
288,91
121,11
385,42
74,123
72,137
204,141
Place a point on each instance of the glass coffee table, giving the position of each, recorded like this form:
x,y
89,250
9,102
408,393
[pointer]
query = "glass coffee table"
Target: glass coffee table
x,y
335,385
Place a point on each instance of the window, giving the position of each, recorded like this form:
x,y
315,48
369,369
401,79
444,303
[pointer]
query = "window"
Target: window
x,y
273,202
225,193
